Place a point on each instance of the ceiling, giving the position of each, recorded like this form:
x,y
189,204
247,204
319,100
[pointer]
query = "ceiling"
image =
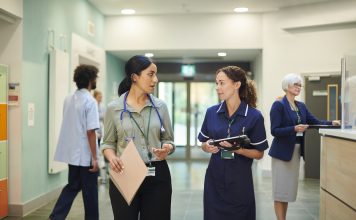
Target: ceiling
x,y
161,7
193,56
154,7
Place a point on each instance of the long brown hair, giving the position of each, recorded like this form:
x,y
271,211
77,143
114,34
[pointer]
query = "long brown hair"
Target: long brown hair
x,y
247,91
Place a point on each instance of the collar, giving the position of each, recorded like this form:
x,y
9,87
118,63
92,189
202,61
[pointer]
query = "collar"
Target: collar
x,y
242,110
83,90
286,102
289,109
120,103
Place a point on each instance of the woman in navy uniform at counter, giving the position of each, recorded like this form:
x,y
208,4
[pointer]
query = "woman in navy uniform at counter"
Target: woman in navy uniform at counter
x,y
228,187
289,120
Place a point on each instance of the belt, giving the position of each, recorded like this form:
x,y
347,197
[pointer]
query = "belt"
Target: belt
x,y
154,163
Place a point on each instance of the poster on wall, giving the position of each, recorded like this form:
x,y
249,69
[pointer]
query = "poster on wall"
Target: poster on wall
x,y
14,94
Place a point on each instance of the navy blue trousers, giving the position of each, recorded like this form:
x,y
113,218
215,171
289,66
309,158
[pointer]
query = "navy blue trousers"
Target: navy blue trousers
x,y
79,178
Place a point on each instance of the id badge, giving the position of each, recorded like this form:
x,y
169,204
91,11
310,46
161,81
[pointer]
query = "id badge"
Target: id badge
x,y
151,171
227,154
300,134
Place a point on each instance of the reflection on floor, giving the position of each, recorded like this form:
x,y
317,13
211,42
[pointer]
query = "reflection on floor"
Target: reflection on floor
x,y
187,180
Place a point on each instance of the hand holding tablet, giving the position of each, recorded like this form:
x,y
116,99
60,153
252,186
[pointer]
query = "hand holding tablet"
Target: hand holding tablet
x,y
236,141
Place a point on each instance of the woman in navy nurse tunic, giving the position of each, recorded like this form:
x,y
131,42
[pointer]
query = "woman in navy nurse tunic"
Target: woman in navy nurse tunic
x,y
228,188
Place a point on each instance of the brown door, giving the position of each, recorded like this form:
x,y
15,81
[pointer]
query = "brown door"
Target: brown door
x,y
316,100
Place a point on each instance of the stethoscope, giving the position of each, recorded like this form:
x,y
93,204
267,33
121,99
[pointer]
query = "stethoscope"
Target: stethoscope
x,y
130,113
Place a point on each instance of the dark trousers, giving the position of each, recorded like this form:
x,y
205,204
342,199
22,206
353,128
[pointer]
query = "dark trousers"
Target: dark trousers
x,y
79,178
151,202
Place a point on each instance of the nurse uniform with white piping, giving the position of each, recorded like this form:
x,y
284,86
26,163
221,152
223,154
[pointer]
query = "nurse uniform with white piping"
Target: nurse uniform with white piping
x,y
228,187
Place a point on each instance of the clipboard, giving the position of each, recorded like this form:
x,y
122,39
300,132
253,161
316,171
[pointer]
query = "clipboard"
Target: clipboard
x,y
236,141
134,173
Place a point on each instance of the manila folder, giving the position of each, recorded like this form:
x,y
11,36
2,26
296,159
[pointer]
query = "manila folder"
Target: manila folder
x,y
133,174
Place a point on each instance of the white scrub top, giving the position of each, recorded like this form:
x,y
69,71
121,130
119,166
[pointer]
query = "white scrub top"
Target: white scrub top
x,y
80,114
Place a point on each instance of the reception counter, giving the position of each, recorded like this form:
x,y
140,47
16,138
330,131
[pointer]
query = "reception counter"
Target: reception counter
x,y
338,174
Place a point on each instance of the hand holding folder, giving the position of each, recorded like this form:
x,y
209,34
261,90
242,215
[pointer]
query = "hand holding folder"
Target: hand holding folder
x,y
133,175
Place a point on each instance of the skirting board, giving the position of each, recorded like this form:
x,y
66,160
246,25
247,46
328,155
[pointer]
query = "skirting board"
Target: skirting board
x,y
22,210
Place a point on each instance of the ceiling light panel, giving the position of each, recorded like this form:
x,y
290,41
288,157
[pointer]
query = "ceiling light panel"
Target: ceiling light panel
x,y
241,9
128,11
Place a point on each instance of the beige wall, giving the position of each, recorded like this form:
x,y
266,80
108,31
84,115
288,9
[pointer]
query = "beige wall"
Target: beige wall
x,y
13,7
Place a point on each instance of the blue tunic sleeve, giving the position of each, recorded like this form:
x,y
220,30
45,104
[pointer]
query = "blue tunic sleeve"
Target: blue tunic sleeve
x,y
204,132
257,134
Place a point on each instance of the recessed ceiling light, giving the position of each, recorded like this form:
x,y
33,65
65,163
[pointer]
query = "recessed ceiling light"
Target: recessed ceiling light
x,y
128,11
222,54
241,9
149,54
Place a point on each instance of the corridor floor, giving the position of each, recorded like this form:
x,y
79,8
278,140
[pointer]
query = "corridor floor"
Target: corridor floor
x,y
187,198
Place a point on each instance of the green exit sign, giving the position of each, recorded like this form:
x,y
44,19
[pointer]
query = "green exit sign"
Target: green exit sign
x,y
188,70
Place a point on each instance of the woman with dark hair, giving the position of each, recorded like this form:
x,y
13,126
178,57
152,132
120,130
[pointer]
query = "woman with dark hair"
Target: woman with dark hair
x,y
124,86
228,188
139,116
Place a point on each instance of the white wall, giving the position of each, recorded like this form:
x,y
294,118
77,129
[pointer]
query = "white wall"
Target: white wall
x,y
183,32
11,55
256,69
317,45
85,52
323,14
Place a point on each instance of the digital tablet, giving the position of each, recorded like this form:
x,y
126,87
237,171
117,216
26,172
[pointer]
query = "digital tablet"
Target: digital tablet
x,y
325,126
236,141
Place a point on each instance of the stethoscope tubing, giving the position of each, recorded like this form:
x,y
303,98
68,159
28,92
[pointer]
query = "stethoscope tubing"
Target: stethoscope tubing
x,y
130,113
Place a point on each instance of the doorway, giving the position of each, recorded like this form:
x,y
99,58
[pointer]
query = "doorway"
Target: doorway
x,y
187,103
322,98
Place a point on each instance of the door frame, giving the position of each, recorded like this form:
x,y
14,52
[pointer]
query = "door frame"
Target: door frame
x,y
305,75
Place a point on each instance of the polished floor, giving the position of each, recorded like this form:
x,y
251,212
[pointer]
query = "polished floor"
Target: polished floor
x,y
187,180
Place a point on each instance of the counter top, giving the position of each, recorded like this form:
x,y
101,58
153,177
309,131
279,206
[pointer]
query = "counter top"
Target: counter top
x,y
341,133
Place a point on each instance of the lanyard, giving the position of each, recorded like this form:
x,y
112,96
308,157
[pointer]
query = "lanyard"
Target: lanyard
x,y
296,110
229,127
143,134
154,106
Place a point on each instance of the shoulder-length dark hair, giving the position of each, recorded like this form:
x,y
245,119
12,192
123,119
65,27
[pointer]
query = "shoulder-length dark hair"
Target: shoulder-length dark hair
x,y
247,91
